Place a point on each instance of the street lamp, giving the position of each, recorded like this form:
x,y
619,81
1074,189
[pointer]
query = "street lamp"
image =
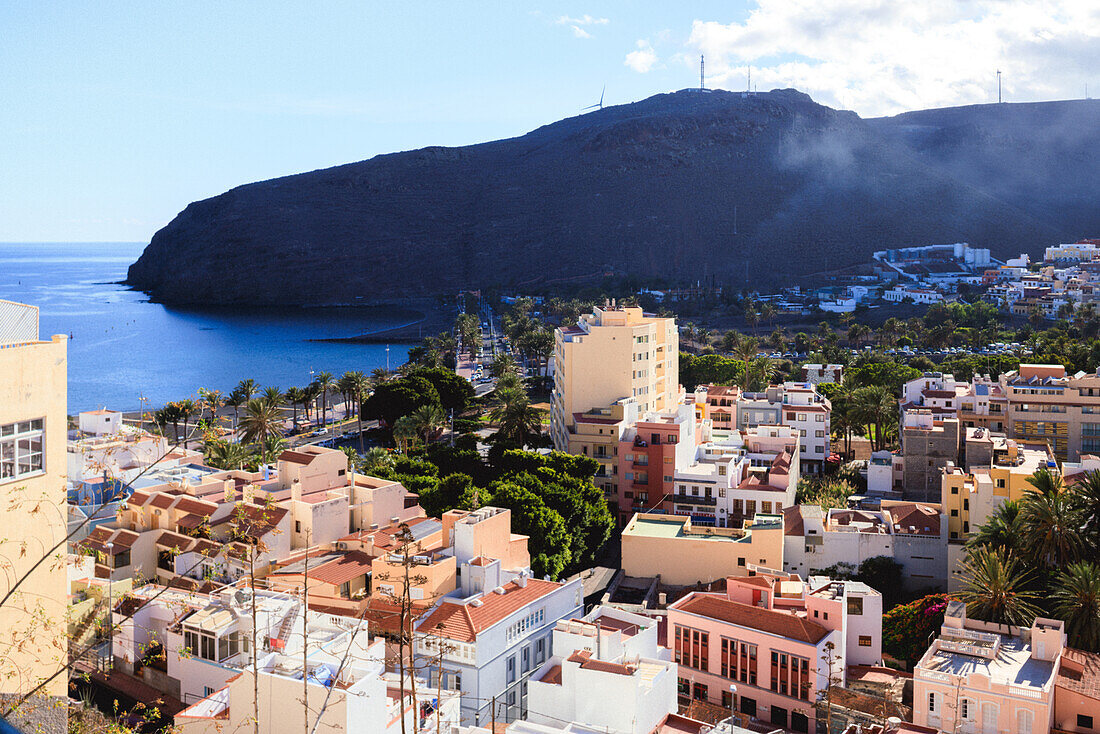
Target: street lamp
x,y
110,601
733,706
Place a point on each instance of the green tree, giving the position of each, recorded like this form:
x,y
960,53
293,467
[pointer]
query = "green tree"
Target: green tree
x,y
222,454
326,383
396,398
995,588
1002,531
454,392
549,542
907,627
1051,526
295,396
1076,599
518,422
429,419
273,396
261,421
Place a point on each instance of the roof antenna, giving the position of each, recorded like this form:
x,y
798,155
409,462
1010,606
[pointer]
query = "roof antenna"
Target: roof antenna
x,y
701,85
998,86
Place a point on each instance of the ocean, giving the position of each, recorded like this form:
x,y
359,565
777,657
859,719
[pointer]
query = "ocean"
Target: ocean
x,y
123,347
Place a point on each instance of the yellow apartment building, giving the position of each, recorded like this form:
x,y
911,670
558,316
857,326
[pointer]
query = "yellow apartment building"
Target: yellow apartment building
x,y
683,554
615,352
33,433
1048,405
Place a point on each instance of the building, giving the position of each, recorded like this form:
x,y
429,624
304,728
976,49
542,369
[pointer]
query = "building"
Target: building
x,y
913,294
597,434
815,374
1077,252
33,425
928,445
682,554
1047,404
935,392
913,534
103,446
983,677
771,643
983,405
615,352
796,405
606,656
970,497
492,640
649,453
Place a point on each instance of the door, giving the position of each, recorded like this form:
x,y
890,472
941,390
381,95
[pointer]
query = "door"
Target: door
x,y
779,716
748,705
800,722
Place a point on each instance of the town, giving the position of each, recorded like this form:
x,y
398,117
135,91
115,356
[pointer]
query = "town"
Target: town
x,y
585,518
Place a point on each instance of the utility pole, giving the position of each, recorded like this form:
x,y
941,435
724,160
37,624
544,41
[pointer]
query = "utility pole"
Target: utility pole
x,y
998,86
493,715
701,85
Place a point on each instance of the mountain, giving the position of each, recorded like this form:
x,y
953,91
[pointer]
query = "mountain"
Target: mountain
x,y
725,187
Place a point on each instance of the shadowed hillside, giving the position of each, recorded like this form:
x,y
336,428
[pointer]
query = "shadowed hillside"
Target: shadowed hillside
x,y
647,189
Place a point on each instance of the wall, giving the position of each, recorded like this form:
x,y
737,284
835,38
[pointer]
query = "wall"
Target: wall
x,y
33,384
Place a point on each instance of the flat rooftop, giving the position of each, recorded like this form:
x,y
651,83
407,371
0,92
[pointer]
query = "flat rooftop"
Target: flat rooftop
x,y
1013,664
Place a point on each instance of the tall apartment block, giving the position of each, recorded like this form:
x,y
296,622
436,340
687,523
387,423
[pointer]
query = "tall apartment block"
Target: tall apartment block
x,y
33,431
1046,404
612,354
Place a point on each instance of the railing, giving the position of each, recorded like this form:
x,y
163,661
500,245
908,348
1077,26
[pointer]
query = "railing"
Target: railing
x,y
932,675
685,499
1025,692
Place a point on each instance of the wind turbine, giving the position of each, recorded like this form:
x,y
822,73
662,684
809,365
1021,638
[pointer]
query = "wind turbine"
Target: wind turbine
x,y
598,105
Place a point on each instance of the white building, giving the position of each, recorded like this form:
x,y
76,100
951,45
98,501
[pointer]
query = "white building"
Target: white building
x,y
493,640
607,656
900,293
914,535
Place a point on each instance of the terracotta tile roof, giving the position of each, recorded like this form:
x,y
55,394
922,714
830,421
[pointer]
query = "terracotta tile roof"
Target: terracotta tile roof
x,y
254,520
925,518
195,506
138,497
297,457
1080,672
162,500
351,565
552,676
190,521
792,521
463,622
169,539
779,623
120,540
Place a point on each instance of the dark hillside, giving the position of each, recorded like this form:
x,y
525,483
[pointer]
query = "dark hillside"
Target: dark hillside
x,y
649,189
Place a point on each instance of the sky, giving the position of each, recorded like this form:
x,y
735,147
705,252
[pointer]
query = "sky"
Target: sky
x,y
116,115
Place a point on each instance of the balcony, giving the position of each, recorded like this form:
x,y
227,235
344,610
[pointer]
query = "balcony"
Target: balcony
x,y
687,499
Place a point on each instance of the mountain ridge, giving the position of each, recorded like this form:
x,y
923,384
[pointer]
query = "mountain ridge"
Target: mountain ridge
x,y
655,189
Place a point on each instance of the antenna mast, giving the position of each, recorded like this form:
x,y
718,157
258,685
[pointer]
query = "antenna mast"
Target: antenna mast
x,y
998,86
748,88
701,85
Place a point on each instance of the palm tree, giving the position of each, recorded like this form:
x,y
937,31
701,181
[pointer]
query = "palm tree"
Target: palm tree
x,y
226,455
161,418
1046,482
1076,598
187,408
248,388
517,421
273,396
325,383
1052,528
1088,496
360,389
236,400
405,432
212,399
995,590
261,421
379,374
375,459
502,365
1002,531
344,387
312,392
428,419
295,396
746,349
271,447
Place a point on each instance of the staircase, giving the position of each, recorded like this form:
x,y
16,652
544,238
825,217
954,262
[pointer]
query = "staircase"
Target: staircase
x,y
287,625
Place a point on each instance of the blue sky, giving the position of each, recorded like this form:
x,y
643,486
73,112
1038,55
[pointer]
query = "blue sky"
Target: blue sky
x,y
116,115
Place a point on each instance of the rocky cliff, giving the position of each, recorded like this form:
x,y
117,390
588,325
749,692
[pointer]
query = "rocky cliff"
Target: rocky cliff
x,y
685,186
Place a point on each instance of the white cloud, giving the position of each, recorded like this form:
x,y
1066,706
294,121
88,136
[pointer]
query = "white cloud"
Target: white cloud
x,y
580,32
583,20
643,58
884,56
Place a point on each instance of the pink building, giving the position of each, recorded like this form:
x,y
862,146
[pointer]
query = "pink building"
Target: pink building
x,y
648,453
766,645
983,678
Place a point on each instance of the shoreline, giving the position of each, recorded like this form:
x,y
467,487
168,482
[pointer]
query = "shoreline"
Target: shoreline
x,y
430,323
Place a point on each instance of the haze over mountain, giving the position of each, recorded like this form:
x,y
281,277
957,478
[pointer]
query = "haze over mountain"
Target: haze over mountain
x,y
724,187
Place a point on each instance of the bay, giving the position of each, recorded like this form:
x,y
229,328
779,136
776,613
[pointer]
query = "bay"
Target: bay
x,y
124,347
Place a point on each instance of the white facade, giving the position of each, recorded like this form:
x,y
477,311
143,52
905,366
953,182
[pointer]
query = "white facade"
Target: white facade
x,y
609,656
496,656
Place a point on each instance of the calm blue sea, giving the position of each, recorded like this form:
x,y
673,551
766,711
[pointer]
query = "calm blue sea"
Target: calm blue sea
x,y
123,346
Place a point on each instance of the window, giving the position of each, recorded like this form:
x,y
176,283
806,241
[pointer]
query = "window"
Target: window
x,y
964,709
820,417
1024,721
1084,721
932,703
855,605
990,713
819,433
540,651
691,648
511,668
21,448
699,692
297,526
525,659
864,640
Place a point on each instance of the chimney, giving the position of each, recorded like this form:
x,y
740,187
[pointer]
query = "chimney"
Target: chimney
x,y
248,494
230,492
